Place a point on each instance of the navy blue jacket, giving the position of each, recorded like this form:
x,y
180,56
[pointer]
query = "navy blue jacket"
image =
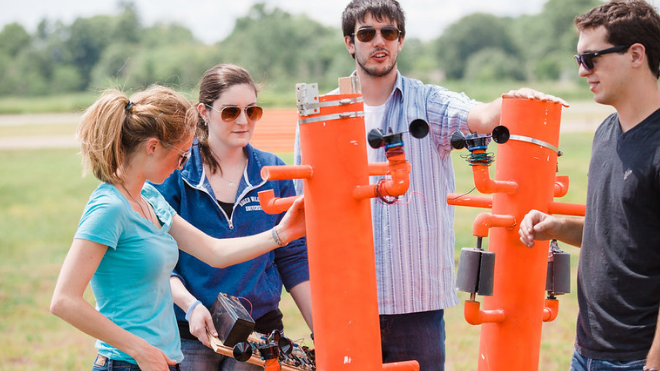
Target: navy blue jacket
x,y
258,280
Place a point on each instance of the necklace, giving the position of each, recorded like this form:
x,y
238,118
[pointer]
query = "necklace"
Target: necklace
x,y
144,214
231,181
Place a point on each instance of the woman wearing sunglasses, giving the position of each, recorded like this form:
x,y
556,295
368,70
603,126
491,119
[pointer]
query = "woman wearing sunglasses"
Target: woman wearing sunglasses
x,y
128,238
217,192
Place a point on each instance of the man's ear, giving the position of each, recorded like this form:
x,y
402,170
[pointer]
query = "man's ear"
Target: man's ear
x,y
350,44
638,54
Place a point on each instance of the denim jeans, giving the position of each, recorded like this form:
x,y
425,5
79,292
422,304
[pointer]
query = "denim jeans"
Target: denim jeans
x,y
198,357
414,336
581,363
104,364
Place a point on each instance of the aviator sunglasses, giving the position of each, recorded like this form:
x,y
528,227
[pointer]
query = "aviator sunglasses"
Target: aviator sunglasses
x,y
367,34
230,113
586,60
183,155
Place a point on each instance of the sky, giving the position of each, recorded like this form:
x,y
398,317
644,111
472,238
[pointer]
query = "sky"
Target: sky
x,y
212,20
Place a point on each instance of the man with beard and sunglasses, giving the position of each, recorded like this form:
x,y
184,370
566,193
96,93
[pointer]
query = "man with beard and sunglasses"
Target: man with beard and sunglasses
x,y
414,240
618,273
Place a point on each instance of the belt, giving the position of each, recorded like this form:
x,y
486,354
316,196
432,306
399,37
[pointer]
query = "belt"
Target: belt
x,y
111,364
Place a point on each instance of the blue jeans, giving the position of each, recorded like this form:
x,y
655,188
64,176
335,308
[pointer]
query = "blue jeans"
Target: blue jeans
x,y
104,364
198,357
581,363
414,336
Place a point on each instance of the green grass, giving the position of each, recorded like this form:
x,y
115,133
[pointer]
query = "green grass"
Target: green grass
x,y
42,195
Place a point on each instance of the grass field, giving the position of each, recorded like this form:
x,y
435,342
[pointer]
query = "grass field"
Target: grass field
x,y
42,195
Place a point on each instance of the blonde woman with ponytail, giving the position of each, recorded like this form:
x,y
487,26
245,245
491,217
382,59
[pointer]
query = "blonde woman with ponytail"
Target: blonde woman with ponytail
x,y
128,237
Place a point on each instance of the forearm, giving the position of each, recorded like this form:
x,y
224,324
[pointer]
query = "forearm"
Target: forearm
x,y
80,314
221,253
302,295
484,117
653,357
182,297
571,230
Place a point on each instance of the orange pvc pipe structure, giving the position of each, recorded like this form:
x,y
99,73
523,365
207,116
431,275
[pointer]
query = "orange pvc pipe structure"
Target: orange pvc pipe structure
x,y
470,200
484,221
398,168
340,242
525,178
272,205
551,310
486,185
475,316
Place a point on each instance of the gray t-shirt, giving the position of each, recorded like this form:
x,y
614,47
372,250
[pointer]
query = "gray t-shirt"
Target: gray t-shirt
x,y
619,270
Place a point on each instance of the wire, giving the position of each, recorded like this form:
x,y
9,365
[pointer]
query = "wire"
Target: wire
x,y
464,194
249,302
478,159
384,197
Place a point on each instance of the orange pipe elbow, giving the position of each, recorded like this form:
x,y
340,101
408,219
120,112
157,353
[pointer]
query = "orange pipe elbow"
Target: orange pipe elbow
x,y
551,310
484,221
485,184
286,172
272,205
401,366
561,185
395,186
475,316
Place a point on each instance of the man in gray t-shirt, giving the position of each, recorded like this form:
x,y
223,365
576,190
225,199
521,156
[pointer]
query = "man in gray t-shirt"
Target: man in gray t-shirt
x,y
619,269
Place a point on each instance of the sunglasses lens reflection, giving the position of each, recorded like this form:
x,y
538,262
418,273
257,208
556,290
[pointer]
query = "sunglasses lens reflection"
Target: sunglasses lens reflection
x,y
230,113
390,33
254,112
366,34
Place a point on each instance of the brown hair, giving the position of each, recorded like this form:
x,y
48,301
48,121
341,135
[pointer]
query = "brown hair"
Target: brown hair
x,y
627,22
113,127
381,10
215,82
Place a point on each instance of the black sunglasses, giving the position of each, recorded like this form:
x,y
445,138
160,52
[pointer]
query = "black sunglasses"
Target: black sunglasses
x,y
586,60
229,113
367,34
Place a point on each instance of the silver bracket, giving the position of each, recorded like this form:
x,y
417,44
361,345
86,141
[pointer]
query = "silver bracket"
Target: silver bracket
x,y
307,99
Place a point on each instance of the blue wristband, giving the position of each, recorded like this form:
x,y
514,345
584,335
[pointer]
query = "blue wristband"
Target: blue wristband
x,y
191,309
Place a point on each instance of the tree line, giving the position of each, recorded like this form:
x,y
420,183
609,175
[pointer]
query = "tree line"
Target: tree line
x,y
278,48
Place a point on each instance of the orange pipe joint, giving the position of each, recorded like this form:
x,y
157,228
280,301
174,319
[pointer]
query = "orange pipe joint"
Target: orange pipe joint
x,y
286,172
475,316
484,221
551,310
485,184
401,366
398,183
274,205
561,185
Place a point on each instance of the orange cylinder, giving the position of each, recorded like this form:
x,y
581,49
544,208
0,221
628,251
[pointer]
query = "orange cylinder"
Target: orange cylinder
x,y
529,159
339,238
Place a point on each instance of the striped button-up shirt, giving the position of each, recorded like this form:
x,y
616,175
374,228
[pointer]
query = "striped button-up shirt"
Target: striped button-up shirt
x,y
414,238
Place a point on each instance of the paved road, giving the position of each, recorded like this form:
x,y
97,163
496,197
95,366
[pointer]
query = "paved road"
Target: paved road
x,y
277,127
